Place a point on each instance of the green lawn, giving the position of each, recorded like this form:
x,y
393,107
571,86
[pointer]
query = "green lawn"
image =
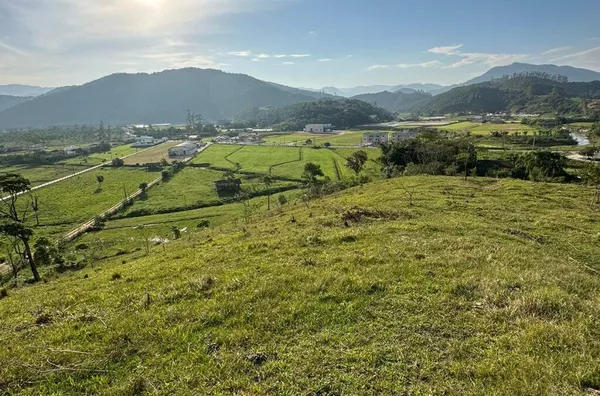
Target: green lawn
x,y
483,287
260,159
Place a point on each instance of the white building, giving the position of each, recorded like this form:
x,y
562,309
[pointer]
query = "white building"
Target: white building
x,y
405,134
71,150
187,149
318,128
144,141
375,138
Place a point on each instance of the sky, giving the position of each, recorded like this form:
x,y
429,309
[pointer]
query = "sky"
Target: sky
x,y
301,43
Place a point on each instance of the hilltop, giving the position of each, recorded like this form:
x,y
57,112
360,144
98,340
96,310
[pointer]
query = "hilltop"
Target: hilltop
x,y
152,98
517,93
571,73
479,287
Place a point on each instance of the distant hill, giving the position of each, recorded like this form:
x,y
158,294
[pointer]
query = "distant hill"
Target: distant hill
x,y
516,94
371,89
7,101
152,98
23,90
344,113
572,73
399,101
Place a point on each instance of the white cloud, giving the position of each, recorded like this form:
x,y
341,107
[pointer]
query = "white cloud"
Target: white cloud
x,y
378,67
263,56
588,59
299,55
73,41
554,51
224,64
476,58
280,56
312,32
243,54
288,63
449,50
323,60
256,60
426,65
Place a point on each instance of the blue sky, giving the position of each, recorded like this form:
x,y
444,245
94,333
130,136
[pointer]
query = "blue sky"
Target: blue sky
x,y
306,43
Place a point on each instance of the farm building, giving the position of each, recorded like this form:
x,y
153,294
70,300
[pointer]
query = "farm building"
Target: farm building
x,y
375,138
148,141
71,151
187,149
318,128
399,136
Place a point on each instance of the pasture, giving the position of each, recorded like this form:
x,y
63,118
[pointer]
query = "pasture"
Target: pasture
x,y
76,200
280,161
485,129
481,287
40,174
100,158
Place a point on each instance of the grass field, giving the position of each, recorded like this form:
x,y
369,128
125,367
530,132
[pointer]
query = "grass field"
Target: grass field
x,y
281,161
99,158
42,174
192,186
480,287
347,138
485,129
78,199
153,155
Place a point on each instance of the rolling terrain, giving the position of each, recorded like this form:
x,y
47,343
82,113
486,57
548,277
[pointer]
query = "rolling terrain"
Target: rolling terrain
x,y
482,287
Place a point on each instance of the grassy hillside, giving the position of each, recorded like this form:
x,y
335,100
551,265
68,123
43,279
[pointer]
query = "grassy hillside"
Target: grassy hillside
x,y
481,287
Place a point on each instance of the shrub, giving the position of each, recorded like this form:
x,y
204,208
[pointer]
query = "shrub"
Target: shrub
x,y
3,293
203,224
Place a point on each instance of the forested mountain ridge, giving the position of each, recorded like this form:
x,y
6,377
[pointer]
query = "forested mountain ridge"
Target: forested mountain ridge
x,y
343,113
162,97
8,101
517,93
396,101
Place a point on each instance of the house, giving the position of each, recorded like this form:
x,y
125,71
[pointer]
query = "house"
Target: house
x,y
71,151
318,128
187,149
38,147
127,136
405,134
375,138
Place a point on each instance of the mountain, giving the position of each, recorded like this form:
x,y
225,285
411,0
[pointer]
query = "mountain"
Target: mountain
x,y
23,90
399,101
344,113
7,101
371,89
520,93
572,73
162,97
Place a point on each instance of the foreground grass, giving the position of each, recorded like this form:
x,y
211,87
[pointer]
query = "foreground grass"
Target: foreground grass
x,y
480,287
38,175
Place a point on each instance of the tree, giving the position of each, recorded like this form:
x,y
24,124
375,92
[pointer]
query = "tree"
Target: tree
x,y
100,180
176,232
45,252
13,186
118,162
357,161
144,188
36,209
282,199
194,123
311,172
268,180
591,175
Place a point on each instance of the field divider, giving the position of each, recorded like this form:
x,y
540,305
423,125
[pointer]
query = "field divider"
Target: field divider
x,y
226,158
300,156
337,169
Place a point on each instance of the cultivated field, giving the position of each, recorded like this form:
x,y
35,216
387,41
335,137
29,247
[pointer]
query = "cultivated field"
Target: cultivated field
x,y
99,158
486,129
153,155
479,287
43,173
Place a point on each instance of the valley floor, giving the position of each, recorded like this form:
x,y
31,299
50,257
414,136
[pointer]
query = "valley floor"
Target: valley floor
x,y
479,287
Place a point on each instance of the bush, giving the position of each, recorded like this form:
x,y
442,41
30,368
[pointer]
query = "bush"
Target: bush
x,y
203,224
118,162
3,293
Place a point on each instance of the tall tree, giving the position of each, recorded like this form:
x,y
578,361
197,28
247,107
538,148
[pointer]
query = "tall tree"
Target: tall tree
x,y
357,161
12,187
